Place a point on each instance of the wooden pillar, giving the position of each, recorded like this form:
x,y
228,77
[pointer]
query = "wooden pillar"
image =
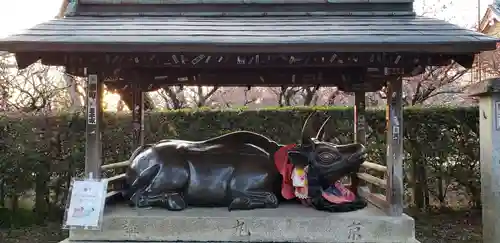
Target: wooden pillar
x,y
93,144
394,118
137,114
359,130
2,193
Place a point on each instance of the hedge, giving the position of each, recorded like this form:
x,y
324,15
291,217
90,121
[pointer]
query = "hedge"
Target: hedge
x,y
40,153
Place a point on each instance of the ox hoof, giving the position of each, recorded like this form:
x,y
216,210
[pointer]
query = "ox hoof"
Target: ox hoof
x,y
253,200
175,202
240,203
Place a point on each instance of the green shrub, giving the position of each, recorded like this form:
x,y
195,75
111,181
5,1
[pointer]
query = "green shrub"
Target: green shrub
x,y
19,218
443,141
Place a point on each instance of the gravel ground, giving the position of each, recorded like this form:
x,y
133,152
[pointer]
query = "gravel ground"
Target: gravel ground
x,y
51,233
450,227
459,227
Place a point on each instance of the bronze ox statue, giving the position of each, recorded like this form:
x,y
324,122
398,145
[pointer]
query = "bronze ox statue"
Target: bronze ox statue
x,y
244,170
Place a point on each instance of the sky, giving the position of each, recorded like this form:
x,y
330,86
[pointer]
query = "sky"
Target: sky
x,y
18,15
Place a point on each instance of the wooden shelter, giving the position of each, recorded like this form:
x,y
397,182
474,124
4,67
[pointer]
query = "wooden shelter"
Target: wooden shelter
x,y
357,45
490,19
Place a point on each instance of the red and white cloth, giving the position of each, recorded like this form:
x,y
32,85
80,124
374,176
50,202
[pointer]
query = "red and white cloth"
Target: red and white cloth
x,y
336,193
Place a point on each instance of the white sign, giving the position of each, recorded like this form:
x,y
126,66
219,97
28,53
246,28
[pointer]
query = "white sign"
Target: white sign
x,y
86,204
92,111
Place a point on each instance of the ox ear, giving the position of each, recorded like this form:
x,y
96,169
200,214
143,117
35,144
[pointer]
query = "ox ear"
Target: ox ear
x,y
297,158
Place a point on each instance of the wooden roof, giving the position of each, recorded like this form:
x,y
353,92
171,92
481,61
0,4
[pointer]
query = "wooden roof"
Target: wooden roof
x,y
318,33
238,2
490,18
246,25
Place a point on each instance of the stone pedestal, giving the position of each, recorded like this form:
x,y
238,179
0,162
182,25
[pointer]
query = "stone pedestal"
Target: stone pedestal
x,y
488,92
288,223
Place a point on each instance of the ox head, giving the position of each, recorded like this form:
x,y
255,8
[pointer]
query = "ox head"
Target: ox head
x,y
329,161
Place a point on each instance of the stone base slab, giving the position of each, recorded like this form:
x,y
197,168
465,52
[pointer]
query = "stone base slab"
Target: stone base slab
x,y
288,223
69,241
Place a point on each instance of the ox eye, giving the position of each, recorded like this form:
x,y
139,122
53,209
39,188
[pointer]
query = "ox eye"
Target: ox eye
x,y
326,156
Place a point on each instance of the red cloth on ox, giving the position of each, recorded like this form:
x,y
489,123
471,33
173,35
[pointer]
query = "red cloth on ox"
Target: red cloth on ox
x,y
336,193
285,168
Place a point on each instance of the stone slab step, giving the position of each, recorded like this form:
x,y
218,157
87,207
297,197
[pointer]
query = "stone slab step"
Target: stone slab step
x,y
288,223
69,241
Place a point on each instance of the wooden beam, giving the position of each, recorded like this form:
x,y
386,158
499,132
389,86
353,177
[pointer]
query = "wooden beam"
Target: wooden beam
x,y
349,80
394,113
115,165
93,145
374,166
235,2
372,180
111,65
359,130
119,60
376,199
137,115
255,60
343,78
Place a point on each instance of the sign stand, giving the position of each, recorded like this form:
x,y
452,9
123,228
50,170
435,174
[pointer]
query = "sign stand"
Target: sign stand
x,y
85,204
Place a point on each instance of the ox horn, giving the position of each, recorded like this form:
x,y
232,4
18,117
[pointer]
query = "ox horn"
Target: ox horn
x,y
321,131
305,137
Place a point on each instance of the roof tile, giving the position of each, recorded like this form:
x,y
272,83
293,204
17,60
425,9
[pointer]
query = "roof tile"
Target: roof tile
x,y
313,30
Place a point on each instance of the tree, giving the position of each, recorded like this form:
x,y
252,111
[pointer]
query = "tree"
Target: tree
x,y
172,97
239,96
334,96
178,97
4,68
201,95
308,95
32,89
285,95
436,85
489,63
37,89
75,91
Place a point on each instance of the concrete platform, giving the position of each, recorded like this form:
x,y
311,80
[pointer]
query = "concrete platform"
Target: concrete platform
x,y
288,223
